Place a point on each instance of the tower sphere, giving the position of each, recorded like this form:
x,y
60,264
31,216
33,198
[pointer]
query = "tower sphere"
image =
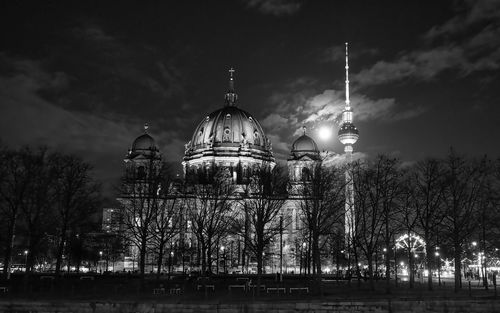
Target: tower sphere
x,y
348,134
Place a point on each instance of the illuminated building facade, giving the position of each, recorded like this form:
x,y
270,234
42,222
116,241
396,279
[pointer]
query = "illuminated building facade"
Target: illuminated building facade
x,y
232,141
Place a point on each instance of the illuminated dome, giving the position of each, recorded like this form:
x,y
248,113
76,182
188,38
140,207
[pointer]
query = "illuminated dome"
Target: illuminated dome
x,y
304,146
348,133
229,127
144,145
144,142
230,139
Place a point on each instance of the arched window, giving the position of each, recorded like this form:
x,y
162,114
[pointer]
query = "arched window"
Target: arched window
x,y
306,174
141,172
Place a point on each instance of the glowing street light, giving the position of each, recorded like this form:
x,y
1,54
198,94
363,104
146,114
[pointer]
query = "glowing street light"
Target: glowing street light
x,y
25,260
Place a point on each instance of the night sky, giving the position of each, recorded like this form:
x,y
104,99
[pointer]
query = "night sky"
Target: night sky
x,y
85,77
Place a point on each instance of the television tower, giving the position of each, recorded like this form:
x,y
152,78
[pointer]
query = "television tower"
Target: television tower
x,y
348,135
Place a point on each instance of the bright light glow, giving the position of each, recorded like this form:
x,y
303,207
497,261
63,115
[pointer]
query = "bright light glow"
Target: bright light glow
x,y
325,133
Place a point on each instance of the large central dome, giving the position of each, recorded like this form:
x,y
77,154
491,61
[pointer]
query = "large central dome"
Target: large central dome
x,y
227,139
229,127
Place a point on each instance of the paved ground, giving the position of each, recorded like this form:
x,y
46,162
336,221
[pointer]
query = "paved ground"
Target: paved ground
x,y
227,289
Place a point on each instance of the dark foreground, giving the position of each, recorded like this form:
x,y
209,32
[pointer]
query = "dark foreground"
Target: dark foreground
x,y
126,293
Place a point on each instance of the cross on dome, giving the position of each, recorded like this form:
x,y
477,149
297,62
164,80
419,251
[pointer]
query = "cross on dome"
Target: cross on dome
x,y
231,96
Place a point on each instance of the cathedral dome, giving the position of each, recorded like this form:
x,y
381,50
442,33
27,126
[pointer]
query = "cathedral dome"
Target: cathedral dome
x,y
144,145
229,127
228,138
144,142
304,144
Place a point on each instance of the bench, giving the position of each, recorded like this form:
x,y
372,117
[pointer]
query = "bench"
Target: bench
x,y
4,289
87,278
262,287
236,286
175,291
306,289
206,287
277,289
159,291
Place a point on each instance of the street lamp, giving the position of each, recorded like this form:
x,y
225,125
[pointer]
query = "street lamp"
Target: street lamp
x,y
100,259
303,257
438,260
25,260
222,249
170,261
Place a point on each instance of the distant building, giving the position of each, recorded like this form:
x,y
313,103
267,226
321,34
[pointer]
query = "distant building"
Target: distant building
x,y
111,220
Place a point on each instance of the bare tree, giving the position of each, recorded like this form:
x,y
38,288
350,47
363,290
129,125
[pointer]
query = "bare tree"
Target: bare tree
x,y
408,218
209,209
260,221
390,178
322,205
140,200
76,196
488,217
426,187
36,213
167,222
464,180
375,192
14,187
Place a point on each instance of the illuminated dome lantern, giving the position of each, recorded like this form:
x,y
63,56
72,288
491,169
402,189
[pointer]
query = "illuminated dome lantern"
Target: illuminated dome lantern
x,y
228,139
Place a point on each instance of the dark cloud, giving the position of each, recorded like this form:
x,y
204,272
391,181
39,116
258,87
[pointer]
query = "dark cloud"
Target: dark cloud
x,y
467,43
275,7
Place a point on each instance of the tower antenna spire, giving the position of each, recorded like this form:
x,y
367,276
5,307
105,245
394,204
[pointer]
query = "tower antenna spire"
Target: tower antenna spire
x,y
347,100
231,95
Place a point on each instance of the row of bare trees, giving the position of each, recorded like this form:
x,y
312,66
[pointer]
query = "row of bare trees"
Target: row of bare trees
x,y
160,211
444,201
43,195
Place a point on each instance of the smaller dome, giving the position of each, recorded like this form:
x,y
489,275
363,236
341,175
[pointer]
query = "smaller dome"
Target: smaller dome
x,y
144,142
304,144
